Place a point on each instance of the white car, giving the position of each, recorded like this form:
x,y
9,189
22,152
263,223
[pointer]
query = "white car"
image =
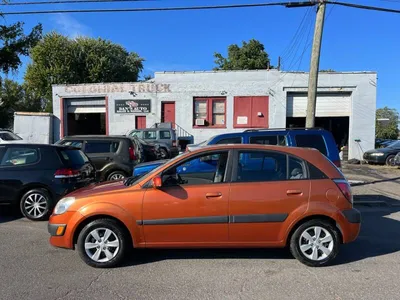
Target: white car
x,y
7,136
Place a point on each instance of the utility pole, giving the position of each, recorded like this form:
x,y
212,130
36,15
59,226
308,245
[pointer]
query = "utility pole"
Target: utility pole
x,y
314,65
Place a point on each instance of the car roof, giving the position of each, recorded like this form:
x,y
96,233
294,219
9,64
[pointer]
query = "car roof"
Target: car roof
x,y
152,129
28,144
287,149
269,131
88,137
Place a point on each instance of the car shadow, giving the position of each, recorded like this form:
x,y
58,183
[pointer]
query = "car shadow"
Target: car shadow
x,y
8,214
379,235
376,181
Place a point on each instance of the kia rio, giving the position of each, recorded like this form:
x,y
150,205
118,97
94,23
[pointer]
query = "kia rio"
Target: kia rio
x,y
254,196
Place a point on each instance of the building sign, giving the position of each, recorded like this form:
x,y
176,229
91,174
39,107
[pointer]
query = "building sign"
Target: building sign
x,y
132,106
106,88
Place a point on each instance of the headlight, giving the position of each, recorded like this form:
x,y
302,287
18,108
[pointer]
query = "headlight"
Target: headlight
x,y
377,154
63,205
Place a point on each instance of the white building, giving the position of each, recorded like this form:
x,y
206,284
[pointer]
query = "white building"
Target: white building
x,y
226,100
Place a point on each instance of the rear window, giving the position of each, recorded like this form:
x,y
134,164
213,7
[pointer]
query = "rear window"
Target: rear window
x,y
101,147
233,140
9,136
311,141
73,157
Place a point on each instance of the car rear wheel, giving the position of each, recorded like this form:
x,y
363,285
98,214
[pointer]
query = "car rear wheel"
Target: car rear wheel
x,y
102,243
117,175
315,243
390,160
36,204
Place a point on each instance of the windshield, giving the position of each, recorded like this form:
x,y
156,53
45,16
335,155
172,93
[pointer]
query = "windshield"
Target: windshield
x,y
395,144
135,179
9,136
136,133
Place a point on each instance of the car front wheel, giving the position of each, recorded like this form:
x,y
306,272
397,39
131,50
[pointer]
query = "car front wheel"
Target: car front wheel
x,y
390,161
117,175
102,243
315,243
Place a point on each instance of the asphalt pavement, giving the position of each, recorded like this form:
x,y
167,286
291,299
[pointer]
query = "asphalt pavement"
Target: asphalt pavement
x,y
367,269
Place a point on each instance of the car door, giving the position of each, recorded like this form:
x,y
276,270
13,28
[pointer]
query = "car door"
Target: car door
x,y
18,165
264,194
189,209
101,152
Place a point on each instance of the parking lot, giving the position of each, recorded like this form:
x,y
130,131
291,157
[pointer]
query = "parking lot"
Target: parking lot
x,y
365,269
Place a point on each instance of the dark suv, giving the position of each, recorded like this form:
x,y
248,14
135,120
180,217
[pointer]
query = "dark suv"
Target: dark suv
x,y
164,137
34,177
113,156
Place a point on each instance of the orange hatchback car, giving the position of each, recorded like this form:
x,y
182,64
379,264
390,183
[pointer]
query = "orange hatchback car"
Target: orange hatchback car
x,y
245,196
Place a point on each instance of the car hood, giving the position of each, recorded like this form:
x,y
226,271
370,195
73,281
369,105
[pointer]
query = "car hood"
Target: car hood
x,y
383,150
98,189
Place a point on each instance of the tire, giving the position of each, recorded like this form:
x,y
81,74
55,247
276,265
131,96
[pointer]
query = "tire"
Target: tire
x,y
306,256
163,153
36,205
116,175
390,160
118,238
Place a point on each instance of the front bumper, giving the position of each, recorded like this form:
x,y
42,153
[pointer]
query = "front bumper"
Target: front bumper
x,y
63,238
374,159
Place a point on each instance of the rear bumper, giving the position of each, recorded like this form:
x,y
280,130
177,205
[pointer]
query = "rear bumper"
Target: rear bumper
x,y
349,222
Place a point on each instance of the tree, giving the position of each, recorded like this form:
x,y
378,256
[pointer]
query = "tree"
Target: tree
x,y
327,71
387,129
250,56
57,59
16,97
14,43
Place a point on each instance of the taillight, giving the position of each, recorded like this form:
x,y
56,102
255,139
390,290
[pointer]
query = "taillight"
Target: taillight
x,y
132,155
345,188
66,173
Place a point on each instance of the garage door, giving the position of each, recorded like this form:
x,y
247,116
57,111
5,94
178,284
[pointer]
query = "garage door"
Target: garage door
x,y
86,105
328,105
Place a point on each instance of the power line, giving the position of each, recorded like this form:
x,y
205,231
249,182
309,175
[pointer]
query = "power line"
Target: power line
x,y
67,2
367,7
286,4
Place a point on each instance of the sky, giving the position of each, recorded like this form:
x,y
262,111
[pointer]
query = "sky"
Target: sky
x,y
353,39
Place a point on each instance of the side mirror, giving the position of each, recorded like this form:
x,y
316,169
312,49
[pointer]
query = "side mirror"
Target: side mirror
x,y
157,182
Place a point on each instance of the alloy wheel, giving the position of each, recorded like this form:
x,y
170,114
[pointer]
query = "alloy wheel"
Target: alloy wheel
x,y
316,243
117,176
35,205
101,245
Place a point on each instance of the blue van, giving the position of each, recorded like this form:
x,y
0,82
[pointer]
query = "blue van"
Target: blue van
x,y
316,138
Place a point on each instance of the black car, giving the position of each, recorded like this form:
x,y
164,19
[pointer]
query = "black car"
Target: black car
x,y
384,155
113,156
150,151
34,177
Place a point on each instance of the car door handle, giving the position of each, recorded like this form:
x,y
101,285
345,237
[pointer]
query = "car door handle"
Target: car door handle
x,y
213,195
294,192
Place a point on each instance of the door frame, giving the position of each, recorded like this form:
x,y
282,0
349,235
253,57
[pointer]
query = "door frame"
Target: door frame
x,y
162,110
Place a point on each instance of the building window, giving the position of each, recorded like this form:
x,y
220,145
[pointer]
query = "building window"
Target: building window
x,y
211,110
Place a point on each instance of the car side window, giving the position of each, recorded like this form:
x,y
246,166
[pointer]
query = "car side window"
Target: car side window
x,y
315,141
165,135
264,140
205,169
77,144
254,166
149,135
19,157
297,169
101,147
2,151
234,140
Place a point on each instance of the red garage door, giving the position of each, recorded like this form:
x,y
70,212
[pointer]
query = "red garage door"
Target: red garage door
x,y
251,112
140,122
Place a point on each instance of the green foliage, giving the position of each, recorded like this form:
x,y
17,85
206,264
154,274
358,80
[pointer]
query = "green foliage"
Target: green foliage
x,y
388,130
57,59
16,97
14,43
328,71
250,56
